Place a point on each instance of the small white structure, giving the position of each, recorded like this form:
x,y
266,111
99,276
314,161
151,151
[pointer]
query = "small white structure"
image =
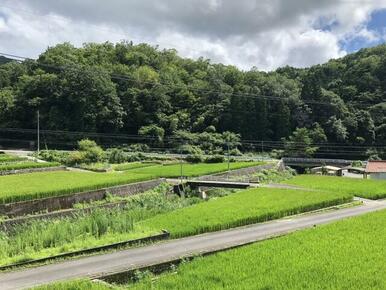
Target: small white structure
x,y
376,169
325,170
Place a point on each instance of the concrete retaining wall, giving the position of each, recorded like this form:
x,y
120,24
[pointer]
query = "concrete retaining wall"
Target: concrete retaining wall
x,y
67,201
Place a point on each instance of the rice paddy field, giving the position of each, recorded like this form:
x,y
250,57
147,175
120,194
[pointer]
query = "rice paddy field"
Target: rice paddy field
x,y
243,208
191,170
366,188
23,187
132,165
26,165
6,158
150,213
344,255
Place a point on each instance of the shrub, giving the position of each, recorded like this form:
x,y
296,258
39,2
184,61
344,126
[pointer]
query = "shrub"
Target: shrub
x,y
117,156
195,158
215,159
191,150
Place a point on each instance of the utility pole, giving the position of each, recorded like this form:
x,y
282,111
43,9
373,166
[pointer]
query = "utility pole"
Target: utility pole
x,y
38,131
181,165
229,160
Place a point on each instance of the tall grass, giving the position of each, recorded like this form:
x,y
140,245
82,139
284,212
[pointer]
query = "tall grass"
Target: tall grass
x,y
349,254
243,208
366,188
39,239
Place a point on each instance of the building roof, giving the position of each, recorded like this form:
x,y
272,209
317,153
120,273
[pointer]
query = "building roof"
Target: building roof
x,y
377,166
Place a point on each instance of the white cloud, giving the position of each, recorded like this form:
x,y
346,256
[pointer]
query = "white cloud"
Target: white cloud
x,y
262,33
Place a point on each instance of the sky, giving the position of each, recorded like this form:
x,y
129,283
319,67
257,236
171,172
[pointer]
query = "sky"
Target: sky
x,y
265,34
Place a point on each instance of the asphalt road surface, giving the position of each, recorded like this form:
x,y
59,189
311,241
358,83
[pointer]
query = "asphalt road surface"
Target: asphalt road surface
x,y
170,250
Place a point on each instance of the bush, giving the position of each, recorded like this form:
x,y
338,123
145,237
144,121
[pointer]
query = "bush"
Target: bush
x,y
195,158
92,153
117,156
53,156
215,159
75,158
191,150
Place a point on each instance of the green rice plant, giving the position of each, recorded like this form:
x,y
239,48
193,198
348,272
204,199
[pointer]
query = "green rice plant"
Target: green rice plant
x,y
5,158
131,165
366,188
27,165
21,187
243,208
192,170
348,254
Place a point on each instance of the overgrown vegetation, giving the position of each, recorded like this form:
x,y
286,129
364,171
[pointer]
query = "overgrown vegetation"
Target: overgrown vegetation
x,y
100,227
367,188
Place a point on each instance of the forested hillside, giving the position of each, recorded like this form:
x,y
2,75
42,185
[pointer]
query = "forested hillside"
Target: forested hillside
x,y
131,89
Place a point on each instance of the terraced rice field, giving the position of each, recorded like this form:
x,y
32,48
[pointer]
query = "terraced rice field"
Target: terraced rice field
x,y
192,170
366,188
243,208
349,254
14,188
23,187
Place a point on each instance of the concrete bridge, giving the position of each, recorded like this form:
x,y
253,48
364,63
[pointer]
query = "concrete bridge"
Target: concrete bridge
x,y
179,187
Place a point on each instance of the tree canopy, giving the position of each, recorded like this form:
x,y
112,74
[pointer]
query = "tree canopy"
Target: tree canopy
x,y
140,89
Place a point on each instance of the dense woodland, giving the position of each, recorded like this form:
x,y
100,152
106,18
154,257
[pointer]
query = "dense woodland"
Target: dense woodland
x,y
138,89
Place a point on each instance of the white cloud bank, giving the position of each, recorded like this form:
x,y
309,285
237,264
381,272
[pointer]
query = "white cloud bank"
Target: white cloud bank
x,y
261,33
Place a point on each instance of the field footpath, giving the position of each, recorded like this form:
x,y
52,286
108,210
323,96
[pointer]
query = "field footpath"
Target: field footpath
x,y
122,261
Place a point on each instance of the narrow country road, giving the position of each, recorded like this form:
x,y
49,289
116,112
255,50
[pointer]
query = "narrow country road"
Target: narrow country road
x,y
137,257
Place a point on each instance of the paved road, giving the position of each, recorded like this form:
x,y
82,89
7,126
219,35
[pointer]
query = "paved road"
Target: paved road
x,y
170,250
